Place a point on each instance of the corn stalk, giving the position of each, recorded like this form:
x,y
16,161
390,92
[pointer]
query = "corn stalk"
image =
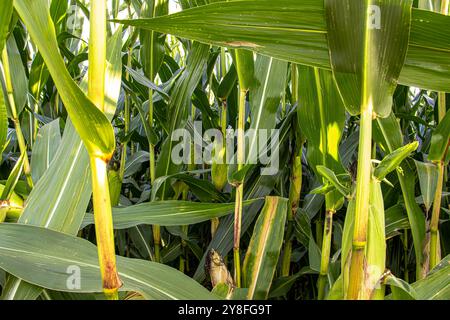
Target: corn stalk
x,y
100,186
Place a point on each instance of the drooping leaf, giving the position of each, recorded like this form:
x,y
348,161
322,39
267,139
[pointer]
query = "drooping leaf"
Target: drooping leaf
x,y
245,68
57,259
6,11
440,141
167,213
428,176
134,162
13,177
330,176
18,76
393,160
388,134
321,117
264,249
91,124
296,31
52,203
368,41
396,220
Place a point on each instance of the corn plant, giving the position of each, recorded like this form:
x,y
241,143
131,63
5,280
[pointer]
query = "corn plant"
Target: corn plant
x,y
212,149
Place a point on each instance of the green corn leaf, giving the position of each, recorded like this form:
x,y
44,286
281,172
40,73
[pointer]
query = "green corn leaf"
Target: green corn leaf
x,y
321,117
401,290
91,124
52,203
6,11
135,161
396,220
393,160
223,239
13,178
143,80
382,37
227,84
265,97
296,31
18,76
264,249
440,141
388,134
38,76
260,187
57,258
434,287
375,248
167,213
152,50
428,177
203,189
45,148
3,122
331,177
376,242
183,90
245,68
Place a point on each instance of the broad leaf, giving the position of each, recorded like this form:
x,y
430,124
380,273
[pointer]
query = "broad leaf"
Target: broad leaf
x,y
264,249
52,203
368,42
296,31
47,143
168,213
56,259
428,177
91,124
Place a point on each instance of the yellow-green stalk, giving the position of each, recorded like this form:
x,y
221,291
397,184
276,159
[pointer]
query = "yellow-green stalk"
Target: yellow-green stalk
x,y
245,70
100,187
15,116
239,188
359,243
434,224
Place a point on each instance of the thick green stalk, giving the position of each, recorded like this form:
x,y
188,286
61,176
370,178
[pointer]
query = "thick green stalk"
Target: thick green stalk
x,y
15,116
240,188
104,228
434,224
100,187
356,284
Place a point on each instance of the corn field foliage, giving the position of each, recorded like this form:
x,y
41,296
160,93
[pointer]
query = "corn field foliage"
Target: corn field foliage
x,y
211,149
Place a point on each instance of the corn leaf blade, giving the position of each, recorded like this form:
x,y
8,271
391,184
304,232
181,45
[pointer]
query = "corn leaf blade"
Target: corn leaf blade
x,y
262,254
54,256
91,124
